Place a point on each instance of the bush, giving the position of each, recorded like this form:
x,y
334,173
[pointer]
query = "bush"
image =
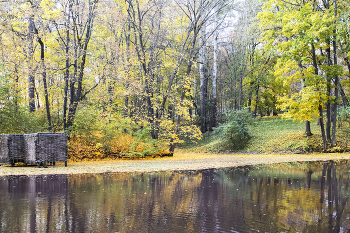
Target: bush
x,y
97,135
234,133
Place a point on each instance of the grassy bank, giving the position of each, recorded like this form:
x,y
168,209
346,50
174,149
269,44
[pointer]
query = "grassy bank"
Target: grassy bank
x,y
275,135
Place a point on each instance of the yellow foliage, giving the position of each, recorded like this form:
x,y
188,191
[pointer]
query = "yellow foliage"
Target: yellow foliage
x,y
83,148
303,106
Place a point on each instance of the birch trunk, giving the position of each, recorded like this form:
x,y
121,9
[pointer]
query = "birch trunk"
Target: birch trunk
x,y
202,71
31,79
215,71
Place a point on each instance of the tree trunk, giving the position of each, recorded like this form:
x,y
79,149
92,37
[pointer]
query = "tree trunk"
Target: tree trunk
x,y
320,109
31,79
202,75
336,81
240,92
307,128
233,105
127,42
16,88
343,96
307,123
256,98
215,71
66,74
324,140
195,96
329,109
42,56
250,97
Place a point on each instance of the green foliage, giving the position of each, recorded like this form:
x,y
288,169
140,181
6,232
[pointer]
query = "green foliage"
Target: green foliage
x,y
344,114
15,120
85,123
14,115
344,120
144,145
234,133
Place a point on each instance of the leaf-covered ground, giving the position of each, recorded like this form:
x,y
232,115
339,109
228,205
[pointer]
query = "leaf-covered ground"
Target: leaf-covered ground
x,y
182,160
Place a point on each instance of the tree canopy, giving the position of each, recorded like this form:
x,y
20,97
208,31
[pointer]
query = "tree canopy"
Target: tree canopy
x,y
155,73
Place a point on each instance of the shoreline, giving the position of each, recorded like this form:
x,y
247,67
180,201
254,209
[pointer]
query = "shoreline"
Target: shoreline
x,y
179,162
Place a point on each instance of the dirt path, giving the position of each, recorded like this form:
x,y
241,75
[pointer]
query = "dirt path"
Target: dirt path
x,y
180,161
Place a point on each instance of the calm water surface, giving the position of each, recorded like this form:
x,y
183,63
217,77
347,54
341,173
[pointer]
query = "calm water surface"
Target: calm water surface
x,y
291,197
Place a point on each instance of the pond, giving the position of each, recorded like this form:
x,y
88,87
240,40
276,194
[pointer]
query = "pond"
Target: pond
x,y
307,196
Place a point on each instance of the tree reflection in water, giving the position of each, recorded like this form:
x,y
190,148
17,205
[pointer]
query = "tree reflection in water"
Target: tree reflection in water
x,y
300,197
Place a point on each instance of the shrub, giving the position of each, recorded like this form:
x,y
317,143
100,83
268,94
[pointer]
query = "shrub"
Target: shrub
x,y
234,133
96,135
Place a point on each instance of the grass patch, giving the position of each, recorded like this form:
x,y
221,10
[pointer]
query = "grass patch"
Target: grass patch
x,y
276,135
208,143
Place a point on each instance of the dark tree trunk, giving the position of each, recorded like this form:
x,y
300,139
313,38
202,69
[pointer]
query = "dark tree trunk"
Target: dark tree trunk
x,y
336,82
250,97
213,113
307,128
127,42
320,109
307,123
233,104
324,140
343,96
256,99
16,87
240,95
328,105
66,81
47,104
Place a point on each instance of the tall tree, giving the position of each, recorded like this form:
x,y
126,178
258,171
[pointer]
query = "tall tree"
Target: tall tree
x,y
299,31
81,32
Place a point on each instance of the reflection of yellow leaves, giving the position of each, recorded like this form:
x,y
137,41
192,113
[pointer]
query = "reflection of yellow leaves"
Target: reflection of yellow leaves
x,y
299,207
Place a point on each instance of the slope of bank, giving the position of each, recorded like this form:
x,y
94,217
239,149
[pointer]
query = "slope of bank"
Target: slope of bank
x,y
180,161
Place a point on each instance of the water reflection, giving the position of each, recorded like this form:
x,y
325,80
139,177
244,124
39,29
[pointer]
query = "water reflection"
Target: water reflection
x,y
293,197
